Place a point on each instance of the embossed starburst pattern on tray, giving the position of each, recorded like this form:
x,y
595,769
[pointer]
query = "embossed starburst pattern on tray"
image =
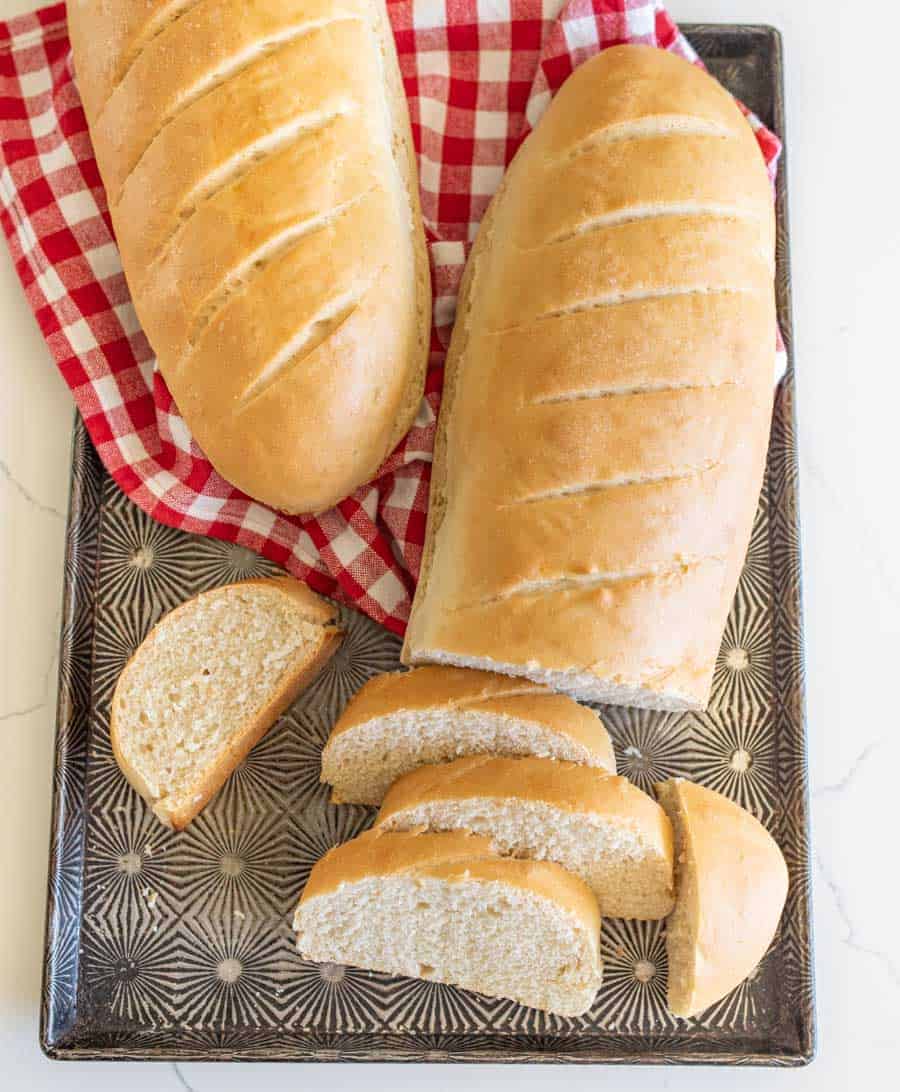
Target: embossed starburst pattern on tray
x,y
180,945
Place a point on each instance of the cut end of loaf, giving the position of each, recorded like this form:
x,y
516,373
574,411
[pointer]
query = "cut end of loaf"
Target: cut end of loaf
x,y
581,685
484,936
681,927
206,684
732,885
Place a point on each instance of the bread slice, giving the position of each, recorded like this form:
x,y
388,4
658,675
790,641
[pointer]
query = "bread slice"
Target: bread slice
x,y
431,714
602,828
445,907
208,682
732,883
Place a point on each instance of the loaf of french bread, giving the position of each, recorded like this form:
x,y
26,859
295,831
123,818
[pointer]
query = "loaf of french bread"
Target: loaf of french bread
x,y
258,164
608,393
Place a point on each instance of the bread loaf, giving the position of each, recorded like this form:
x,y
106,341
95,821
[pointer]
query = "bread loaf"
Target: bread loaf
x,y
602,828
208,682
732,883
258,164
445,907
399,721
608,392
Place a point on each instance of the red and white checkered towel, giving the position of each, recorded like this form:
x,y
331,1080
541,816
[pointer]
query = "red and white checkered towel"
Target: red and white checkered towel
x,y
478,74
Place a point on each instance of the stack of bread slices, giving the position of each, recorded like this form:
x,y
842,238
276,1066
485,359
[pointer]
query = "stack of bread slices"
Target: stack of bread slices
x,y
504,835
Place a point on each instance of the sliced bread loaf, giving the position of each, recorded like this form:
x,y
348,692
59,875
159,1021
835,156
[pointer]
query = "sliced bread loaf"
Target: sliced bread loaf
x,y
208,682
431,714
732,884
445,907
600,827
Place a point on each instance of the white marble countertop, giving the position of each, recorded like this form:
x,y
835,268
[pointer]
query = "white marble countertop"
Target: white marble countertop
x,y
846,271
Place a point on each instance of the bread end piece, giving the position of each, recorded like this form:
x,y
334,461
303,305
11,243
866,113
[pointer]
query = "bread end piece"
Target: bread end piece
x,y
732,883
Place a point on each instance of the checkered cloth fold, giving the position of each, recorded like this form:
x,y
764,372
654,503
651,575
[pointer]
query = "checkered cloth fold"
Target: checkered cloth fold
x,y
478,74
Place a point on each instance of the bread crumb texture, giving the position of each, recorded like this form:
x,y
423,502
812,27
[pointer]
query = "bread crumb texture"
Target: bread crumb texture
x,y
200,676
627,872
681,926
364,762
483,936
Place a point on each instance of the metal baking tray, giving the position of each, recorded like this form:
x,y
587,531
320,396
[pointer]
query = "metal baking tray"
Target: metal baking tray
x,y
178,946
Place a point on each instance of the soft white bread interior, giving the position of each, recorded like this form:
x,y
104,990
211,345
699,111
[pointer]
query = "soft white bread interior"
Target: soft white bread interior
x,y
445,907
732,883
399,721
602,828
607,396
258,163
208,682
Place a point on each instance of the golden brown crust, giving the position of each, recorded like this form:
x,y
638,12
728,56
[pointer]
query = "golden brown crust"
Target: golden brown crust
x,y
625,332
258,161
633,84
405,157
383,853
564,785
290,685
132,774
452,856
313,607
741,887
451,688
111,33
434,710
429,688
